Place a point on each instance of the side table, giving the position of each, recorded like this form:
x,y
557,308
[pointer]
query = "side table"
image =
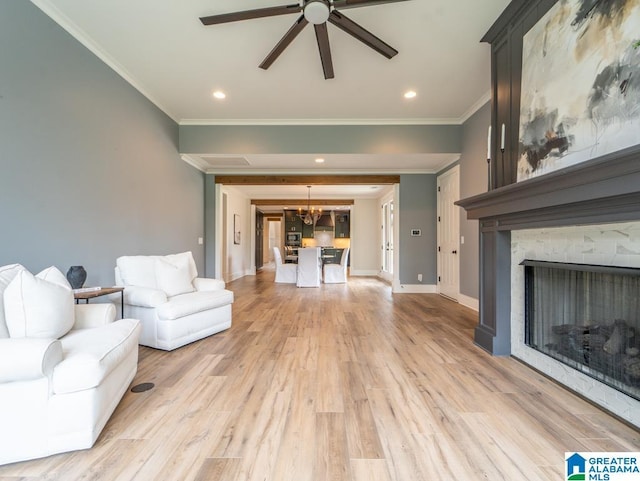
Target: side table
x,y
103,291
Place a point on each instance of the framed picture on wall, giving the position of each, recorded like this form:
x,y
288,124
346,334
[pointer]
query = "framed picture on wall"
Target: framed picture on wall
x,y
236,229
580,87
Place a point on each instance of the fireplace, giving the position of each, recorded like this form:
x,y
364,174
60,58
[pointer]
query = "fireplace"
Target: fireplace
x,y
587,317
584,214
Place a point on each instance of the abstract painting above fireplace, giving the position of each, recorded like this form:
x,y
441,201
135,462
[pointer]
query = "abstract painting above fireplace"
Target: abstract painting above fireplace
x,y
580,85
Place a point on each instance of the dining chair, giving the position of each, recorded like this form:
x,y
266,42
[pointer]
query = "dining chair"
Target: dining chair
x,y
337,273
285,273
309,267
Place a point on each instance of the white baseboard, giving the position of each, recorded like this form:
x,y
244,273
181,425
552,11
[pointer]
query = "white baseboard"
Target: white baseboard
x,y
415,289
470,302
363,272
238,275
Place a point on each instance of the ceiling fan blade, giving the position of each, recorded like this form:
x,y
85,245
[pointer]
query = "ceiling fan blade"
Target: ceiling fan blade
x,y
284,42
342,4
249,14
322,37
366,37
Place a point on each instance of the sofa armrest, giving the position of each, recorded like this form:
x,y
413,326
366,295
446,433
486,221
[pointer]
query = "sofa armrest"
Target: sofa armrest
x,y
206,284
26,359
93,315
144,296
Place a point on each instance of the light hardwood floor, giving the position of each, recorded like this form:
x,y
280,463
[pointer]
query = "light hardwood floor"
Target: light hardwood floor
x,y
341,382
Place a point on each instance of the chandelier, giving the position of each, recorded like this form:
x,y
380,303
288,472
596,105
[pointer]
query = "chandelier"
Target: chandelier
x,y
310,216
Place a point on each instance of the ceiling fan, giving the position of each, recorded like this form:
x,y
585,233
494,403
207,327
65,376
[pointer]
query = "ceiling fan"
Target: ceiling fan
x,y
317,12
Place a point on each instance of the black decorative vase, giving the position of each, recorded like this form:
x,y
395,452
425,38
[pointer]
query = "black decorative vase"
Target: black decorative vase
x,y
76,275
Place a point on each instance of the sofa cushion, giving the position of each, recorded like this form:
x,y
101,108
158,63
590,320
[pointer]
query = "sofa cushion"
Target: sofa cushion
x,y
141,270
137,271
53,274
91,354
36,307
7,273
174,277
185,304
183,257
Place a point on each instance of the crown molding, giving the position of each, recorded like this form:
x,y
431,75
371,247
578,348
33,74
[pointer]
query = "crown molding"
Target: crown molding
x,y
76,32
200,122
486,97
220,172
476,106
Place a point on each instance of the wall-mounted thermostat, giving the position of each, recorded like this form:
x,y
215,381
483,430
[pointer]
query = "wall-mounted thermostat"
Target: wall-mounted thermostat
x,y
416,232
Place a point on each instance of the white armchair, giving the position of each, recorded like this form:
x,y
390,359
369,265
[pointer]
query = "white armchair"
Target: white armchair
x,y
309,267
174,305
63,367
285,273
337,273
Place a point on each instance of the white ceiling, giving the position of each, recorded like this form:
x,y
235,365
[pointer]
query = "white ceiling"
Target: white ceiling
x,y
164,51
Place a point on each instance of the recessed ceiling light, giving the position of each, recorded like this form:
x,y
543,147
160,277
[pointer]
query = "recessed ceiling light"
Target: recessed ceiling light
x,y
319,160
219,94
410,94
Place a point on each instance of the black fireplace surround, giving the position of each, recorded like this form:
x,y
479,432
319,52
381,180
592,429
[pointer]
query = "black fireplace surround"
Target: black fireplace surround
x,y
587,317
600,191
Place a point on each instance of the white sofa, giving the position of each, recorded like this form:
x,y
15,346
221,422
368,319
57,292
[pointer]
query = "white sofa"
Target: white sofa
x,y
174,305
63,367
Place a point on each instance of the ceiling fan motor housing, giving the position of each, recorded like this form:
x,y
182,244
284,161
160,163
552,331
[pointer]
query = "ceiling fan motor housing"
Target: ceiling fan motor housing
x,y
316,11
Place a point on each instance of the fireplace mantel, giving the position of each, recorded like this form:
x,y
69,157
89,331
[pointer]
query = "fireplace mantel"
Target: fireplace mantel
x,y
599,191
606,189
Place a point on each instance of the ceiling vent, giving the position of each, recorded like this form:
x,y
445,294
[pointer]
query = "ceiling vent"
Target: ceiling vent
x,y
215,161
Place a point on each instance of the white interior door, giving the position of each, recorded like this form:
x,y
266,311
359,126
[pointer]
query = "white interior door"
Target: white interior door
x,y
449,233
387,219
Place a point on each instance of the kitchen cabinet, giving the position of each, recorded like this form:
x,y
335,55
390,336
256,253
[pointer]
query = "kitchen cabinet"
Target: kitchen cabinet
x,y
331,255
292,222
307,231
342,224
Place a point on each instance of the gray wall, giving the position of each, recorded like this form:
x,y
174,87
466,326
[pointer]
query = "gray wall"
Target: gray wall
x,y
89,168
473,180
418,210
330,139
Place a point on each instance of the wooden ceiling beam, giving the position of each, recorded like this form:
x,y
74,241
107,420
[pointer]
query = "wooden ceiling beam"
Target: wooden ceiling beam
x,y
314,202
306,179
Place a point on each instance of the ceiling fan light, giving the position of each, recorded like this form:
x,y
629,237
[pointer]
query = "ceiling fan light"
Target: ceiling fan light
x,y
316,12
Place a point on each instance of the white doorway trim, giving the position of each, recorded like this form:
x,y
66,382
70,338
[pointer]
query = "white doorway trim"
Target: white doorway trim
x,y
220,223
